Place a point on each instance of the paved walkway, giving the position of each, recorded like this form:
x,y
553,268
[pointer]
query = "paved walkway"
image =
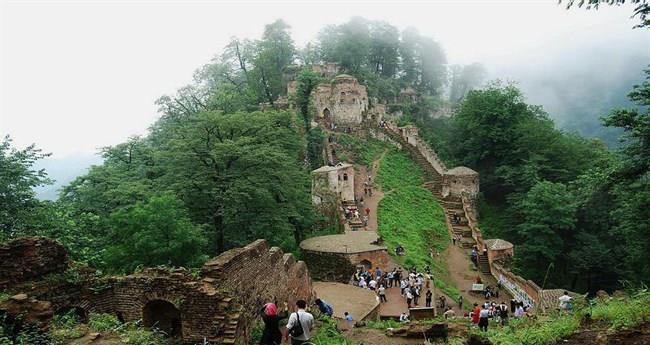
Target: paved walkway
x,y
345,297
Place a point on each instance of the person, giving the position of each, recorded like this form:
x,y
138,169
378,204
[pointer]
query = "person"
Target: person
x,y
404,317
382,293
416,295
372,285
503,308
367,211
271,334
348,319
402,286
428,298
519,311
565,302
362,283
324,307
476,311
378,272
347,316
449,313
300,324
365,220
460,302
484,314
409,297
443,301
453,240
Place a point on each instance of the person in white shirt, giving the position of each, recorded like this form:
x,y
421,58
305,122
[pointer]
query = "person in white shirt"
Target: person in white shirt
x,y
483,319
409,297
403,317
565,302
362,283
372,285
306,321
382,293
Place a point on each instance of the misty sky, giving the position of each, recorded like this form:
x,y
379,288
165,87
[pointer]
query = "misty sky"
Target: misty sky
x,y
79,75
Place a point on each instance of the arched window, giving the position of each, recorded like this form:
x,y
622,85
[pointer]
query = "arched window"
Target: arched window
x,y
345,177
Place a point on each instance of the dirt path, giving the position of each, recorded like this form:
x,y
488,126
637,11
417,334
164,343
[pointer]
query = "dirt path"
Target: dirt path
x,y
372,202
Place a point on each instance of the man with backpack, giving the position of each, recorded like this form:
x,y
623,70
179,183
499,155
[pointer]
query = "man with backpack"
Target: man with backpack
x,y
300,324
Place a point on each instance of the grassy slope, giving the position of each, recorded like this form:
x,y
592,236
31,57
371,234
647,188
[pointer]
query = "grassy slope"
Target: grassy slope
x,y
409,214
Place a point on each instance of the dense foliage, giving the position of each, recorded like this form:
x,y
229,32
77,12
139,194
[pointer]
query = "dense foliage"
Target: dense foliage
x,y
573,209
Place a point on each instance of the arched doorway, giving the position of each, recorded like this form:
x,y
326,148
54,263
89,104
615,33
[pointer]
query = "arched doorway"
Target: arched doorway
x,y
366,264
327,114
163,316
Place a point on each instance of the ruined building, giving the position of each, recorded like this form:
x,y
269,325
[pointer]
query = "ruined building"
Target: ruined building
x,y
333,181
343,101
219,306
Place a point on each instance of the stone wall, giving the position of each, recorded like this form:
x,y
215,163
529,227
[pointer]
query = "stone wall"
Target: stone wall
x,y
221,306
29,258
520,288
343,101
257,274
332,267
339,267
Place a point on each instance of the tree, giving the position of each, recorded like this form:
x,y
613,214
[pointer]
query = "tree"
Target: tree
x,y
239,175
17,180
156,232
307,82
384,49
641,8
464,79
273,53
549,215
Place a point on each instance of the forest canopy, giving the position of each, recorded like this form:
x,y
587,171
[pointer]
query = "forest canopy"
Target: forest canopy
x,y
214,172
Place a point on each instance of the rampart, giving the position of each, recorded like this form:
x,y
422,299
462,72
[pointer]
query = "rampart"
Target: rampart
x,y
462,183
219,306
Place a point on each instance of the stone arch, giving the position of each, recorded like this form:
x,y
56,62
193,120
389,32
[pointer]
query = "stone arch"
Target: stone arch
x,y
366,264
164,316
326,113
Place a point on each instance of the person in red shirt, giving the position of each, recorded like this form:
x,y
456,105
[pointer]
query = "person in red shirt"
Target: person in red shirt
x,y
367,211
476,312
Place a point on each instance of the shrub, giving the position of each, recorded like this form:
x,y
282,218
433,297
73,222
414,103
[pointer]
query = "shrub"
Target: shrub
x,y
103,322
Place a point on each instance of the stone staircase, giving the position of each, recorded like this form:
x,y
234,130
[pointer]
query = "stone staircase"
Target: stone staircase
x,y
483,264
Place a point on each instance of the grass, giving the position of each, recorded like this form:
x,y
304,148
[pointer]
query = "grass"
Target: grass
x,y
328,334
409,214
360,151
613,314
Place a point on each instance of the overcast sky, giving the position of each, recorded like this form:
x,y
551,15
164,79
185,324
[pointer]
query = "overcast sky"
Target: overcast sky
x,y
79,75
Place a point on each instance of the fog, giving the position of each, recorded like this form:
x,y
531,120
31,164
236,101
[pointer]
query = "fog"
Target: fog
x,y
80,75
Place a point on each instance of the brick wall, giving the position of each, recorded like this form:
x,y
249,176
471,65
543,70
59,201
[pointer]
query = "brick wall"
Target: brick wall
x,y
220,307
331,267
29,258
339,267
255,275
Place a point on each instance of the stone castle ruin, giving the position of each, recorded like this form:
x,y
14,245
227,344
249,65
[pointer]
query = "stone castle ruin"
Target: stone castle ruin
x,y
342,102
220,305
336,181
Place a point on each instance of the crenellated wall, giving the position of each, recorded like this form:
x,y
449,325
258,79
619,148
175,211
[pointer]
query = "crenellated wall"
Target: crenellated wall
x,y
220,306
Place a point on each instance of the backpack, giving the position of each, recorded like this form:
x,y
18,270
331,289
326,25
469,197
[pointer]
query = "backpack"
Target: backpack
x,y
297,330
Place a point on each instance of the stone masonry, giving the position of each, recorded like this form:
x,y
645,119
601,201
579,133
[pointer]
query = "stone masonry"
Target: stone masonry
x,y
219,306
